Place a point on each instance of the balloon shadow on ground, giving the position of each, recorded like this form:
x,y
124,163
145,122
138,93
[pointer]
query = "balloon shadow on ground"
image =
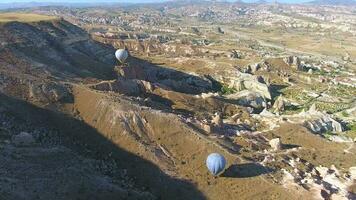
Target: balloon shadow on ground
x,y
246,170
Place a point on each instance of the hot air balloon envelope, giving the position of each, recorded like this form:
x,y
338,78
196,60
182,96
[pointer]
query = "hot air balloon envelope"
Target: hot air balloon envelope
x,y
121,55
215,163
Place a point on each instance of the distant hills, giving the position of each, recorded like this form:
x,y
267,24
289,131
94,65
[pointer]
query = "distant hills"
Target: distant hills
x,y
312,2
31,4
333,2
80,3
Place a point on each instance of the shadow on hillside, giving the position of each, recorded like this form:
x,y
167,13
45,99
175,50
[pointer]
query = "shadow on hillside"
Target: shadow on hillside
x,y
81,137
172,79
290,146
49,48
246,170
276,90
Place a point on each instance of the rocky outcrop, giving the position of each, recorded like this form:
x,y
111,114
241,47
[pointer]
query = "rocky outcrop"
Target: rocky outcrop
x,y
217,120
253,68
160,137
280,104
154,46
323,124
236,54
50,92
249,82
54,48
220,30
340,139
176,80
316,121
248,98
325,183
131,87
275,144
319,122
295,62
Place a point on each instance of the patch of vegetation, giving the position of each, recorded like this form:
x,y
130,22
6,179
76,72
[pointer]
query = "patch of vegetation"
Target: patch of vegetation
x,y
351,130
342,91
321,72
351,127
345,114
351,135
328,134
334,73
289,110
330,107
297,95
225,90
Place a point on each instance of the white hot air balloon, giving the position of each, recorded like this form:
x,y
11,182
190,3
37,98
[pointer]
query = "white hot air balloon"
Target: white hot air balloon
x,y
121,55
215,163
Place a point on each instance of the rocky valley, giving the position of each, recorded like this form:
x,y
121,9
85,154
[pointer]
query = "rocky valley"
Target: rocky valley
x,y
271,87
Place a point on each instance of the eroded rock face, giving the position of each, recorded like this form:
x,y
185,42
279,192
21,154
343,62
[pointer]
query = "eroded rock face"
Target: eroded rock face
x,y
123,113
248,98
154,45
294,61
139,128
341,139
323,123
178,81
325,183
57,48
321,182
250,82
275,144
280,104
129,87
253,68
207,128
217,120
236,54
48,92
316,121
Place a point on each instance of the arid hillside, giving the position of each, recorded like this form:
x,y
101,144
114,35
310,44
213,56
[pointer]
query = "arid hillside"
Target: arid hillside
x,y
77,124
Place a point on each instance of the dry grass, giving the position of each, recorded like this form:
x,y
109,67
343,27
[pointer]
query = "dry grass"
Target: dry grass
x,y
302,41
23,17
